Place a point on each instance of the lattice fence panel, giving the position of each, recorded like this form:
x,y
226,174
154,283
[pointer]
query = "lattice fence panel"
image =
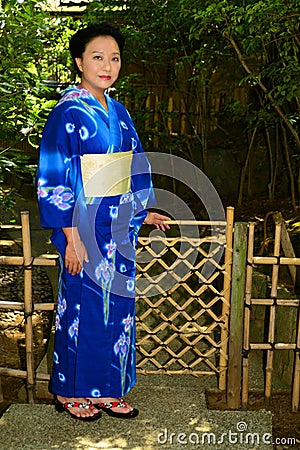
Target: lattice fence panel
x,y
182,312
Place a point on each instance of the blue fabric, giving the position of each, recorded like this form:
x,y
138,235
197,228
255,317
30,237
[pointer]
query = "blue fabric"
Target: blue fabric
x,y
94,351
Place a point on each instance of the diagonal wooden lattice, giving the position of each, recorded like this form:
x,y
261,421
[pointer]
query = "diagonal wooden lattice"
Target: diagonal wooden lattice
x,y
183,287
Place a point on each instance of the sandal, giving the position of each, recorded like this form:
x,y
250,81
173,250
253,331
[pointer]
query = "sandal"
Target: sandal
x,y
62,407
120,403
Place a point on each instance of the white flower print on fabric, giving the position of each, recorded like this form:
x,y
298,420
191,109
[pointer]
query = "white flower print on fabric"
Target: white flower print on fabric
x,y
130,284
90,129
61,305
105,272
74,95
113,212
95,393
122,268
126,198
70,128
133,143
60,309
84,133
73,330
122,347
128,322
135,239
62,377
111,247
123,125
60,196
57,323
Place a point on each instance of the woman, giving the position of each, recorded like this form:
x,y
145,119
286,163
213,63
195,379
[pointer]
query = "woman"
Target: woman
x,y
94,184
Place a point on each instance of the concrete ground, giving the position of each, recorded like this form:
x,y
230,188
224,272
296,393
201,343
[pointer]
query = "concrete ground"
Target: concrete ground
x,y
173,415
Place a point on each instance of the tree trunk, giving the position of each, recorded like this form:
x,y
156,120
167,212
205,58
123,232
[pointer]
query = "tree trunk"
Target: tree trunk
x,y
244,169
289,167
265,90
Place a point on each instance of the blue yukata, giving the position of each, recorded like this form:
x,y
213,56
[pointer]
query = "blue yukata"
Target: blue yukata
x,y
94,350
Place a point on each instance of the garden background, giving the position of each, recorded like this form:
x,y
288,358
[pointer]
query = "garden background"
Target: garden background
x,y
216,83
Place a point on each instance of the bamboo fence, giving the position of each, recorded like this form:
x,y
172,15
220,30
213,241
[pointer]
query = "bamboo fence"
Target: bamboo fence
x,y
173,337
184,329
272,303
27,262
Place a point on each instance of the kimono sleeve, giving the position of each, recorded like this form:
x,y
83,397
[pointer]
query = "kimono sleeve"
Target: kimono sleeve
x,y
58,171
141,184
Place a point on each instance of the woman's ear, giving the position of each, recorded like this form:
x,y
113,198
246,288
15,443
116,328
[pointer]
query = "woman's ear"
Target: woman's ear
x,y
79,63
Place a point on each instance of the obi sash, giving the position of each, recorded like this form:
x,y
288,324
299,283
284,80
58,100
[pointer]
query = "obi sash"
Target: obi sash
x,y
106,174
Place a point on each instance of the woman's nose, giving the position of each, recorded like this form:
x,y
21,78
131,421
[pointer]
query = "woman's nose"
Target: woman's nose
x,y
106,64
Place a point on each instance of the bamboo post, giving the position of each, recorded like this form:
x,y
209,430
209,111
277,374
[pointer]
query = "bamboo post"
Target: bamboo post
x,y
226,294
236,316
156,121
28,304
247,316
271,330
43,260
148,105
182,117
286,245
296,379
170,110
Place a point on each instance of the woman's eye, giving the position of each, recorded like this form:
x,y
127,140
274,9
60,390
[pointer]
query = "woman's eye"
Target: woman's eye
x,y
116,59
98,57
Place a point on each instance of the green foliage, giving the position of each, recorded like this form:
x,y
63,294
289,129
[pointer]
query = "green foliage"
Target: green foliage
x,y
266,33
7,202
187,49
33,50
21,47
262,40
157,53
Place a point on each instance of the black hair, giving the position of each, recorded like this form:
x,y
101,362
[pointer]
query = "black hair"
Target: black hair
x,y
81,38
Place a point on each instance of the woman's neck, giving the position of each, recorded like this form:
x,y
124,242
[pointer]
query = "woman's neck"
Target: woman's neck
x,y
99,95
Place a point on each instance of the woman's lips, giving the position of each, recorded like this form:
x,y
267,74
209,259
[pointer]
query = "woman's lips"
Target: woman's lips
x,y
105,77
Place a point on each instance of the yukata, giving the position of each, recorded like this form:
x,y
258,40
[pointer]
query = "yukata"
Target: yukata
x,y
94,346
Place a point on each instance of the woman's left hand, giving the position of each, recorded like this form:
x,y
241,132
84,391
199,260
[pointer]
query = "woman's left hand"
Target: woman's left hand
x,y
158,220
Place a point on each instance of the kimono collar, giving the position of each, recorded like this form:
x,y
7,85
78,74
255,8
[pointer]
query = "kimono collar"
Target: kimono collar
x,y
115,135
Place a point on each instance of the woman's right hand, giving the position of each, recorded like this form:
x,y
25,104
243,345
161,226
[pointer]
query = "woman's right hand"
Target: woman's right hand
x,y
75,253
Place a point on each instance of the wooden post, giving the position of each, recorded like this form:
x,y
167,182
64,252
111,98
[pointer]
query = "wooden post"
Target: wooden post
x,y
156,121
247,316
170,110
286,245
226,294
28,304
271,327
296,379
236,315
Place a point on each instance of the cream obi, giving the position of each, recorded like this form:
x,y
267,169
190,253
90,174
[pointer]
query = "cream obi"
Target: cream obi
x,y
106,174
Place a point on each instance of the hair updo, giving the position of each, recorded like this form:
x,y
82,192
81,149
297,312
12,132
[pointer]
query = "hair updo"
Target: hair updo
x,y
81,38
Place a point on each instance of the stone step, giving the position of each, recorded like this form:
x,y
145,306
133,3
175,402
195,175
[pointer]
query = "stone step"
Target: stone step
x,y
173,415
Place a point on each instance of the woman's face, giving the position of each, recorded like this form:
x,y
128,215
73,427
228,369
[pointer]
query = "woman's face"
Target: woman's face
x,y
100,64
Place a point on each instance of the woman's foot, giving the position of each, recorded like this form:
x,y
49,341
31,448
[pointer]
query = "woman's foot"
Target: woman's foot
x,y
115,407
80,408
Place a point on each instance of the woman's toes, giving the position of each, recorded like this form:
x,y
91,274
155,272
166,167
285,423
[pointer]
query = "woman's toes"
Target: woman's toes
x,y
78,411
